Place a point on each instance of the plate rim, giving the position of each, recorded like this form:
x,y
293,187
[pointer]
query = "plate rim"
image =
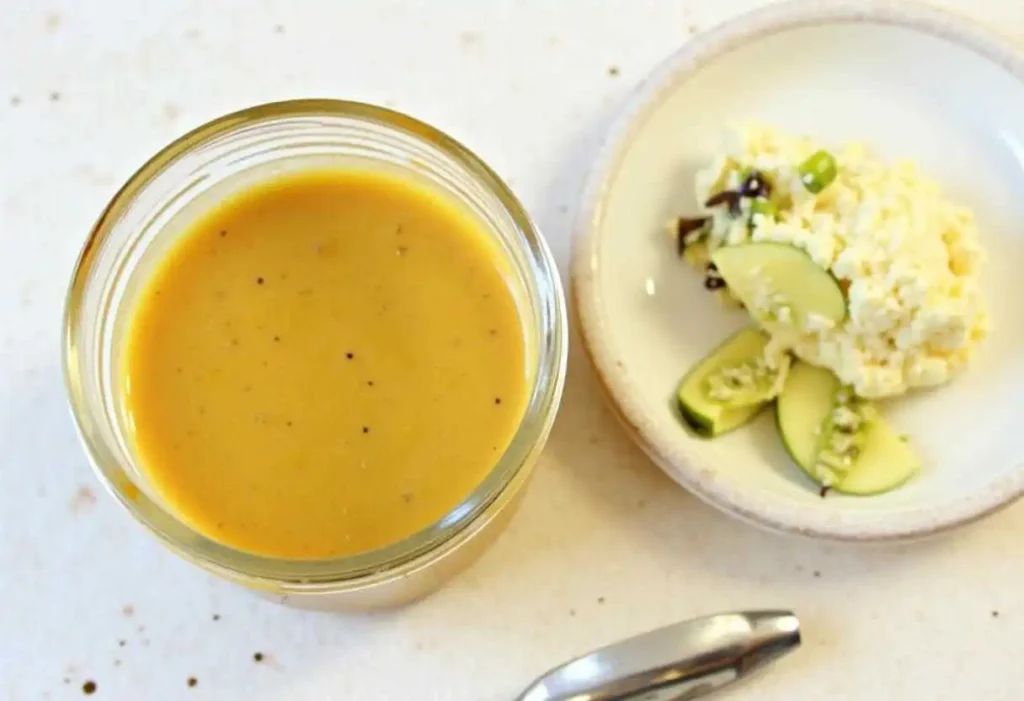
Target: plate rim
x,y
689,469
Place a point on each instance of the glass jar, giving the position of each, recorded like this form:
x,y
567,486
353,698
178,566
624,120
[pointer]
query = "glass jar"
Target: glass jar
x,y
200,169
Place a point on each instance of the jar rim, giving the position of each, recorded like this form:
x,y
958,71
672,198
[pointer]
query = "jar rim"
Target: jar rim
x,y
410,553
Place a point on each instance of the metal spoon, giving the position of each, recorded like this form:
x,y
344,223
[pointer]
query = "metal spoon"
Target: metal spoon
x,y
682,661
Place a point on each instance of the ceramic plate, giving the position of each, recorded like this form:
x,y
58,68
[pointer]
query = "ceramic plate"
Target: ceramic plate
x,y
912,82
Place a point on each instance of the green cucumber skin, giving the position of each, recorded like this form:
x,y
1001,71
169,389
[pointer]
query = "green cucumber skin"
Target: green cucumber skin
x,y
905,463
695,421
705,429
701,424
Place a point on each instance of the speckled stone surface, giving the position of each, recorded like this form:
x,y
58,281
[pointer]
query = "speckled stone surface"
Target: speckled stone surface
x,y
604,545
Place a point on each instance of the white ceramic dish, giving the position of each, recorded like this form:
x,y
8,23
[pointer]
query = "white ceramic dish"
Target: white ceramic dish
x,y
911,81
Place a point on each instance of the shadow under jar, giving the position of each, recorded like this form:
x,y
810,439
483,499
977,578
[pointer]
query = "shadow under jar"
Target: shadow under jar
x,y
231,155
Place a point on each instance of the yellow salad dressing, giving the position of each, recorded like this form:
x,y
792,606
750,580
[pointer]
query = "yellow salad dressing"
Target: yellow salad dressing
x,y
324,364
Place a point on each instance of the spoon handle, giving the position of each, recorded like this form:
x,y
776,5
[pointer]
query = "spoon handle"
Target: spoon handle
x,y
678,662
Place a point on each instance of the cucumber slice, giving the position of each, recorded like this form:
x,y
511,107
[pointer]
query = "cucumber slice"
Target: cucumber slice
x,y
800,410
752,381
886,462
842,436
883,462
780,283
709,416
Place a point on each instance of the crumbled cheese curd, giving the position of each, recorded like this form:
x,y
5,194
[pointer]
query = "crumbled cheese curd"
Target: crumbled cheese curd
x,y
907,259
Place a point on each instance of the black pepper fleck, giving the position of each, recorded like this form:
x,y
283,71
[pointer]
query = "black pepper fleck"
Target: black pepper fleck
x,y
497,400
192,681
613,71
600,599
15,100
824,492
223,233
278,29
89,688
259,281
369,383
257,657
366,429
817,573
55,97
995,614
122,643
277,338
350,356
216,616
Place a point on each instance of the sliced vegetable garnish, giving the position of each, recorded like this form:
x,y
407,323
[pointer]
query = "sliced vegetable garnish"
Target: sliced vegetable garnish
x,y
710,417
780,283
808,420
818,171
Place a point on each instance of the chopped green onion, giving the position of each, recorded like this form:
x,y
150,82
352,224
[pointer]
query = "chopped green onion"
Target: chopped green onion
x,y
818,171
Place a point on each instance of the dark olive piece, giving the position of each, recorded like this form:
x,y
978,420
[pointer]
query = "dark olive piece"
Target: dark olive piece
x,y
755,185
723,197
685,227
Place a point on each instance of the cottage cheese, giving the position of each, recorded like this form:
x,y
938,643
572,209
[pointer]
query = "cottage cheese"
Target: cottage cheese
x,y
907,259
